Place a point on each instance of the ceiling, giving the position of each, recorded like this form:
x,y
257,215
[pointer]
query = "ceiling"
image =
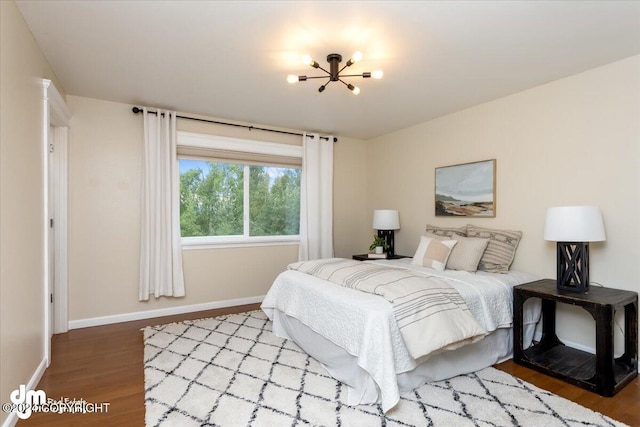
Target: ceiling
x,y
230,59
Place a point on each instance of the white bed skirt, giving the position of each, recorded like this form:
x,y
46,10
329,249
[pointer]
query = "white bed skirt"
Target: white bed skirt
x,y
494,348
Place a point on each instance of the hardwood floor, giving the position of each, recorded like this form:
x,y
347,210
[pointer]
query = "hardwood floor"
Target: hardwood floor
x,y
103,364
624,406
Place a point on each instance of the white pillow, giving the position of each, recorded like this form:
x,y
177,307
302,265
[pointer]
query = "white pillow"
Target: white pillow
x,y
433,253
467,253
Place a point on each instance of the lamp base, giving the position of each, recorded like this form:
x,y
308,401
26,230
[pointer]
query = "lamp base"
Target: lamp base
x,y
387,235
573,267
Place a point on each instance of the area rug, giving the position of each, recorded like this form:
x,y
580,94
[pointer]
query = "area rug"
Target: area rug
x,y
232,371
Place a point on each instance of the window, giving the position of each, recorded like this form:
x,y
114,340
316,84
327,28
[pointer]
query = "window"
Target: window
x,y
211,198
274,201
229,194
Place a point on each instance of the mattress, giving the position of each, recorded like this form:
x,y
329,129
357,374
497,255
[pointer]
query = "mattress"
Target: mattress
x,y
355,336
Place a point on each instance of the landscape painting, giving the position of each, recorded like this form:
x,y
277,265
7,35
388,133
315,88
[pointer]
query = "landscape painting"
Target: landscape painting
x,y
466,190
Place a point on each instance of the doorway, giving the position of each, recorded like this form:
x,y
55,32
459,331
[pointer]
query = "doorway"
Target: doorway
x,y
56,117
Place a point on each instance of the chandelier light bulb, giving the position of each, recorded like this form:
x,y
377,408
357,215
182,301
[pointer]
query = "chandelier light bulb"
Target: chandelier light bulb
x,y
377,74
356,90
357,56
292,79
307,60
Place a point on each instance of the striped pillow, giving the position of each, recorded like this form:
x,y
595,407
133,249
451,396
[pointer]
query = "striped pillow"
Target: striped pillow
x,y
501,250
447,231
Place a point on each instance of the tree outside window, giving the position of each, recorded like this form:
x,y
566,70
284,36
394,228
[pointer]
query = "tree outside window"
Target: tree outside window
x,y
213,200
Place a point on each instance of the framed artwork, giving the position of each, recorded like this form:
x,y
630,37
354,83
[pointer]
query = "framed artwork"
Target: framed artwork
x,y
466,190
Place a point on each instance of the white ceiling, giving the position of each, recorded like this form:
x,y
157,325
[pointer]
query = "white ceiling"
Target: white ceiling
x,y
230,59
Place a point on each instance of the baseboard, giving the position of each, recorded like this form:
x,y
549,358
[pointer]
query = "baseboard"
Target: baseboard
x,y
12,419
149,314
538,335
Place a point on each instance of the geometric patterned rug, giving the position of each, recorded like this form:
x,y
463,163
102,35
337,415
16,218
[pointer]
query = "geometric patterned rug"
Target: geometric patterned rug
x,y
232,371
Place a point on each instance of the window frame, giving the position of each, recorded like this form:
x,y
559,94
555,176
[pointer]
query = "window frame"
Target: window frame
x,y
241,146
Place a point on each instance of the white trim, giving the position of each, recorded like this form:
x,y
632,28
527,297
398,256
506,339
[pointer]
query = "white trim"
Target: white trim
x,y
207,244
47,327
246,204
538,336
60,301
12,419
55,113
198,140
59,113
238,240
149,314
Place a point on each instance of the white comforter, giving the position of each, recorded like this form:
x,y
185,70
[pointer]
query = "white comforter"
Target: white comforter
x,y
364,324
431,314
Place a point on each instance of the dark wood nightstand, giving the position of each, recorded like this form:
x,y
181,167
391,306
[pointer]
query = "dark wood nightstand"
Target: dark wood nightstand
x,y
365,257
601,373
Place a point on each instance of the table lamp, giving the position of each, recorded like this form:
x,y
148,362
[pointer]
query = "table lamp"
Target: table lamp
x,y
573,227
386,221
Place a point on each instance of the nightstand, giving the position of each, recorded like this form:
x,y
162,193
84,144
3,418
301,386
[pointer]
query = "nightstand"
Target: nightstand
x,y
365,257
601,373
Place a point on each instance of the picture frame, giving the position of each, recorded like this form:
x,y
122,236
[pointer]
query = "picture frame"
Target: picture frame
x,y
466,190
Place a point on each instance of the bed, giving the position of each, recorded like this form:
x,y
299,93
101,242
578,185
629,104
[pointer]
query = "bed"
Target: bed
x,y
356,337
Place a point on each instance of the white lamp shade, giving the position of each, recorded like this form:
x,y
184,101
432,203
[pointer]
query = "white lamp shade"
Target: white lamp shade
x,y
574,224
386,219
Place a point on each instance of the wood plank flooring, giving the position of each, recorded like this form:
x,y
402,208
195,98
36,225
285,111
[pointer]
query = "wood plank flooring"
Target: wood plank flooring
x,y
104,364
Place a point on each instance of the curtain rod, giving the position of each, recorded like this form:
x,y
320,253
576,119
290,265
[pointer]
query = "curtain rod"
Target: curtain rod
x,y
137,110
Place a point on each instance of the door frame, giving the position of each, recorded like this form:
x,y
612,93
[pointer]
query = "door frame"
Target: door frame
x,y
60,180
56,114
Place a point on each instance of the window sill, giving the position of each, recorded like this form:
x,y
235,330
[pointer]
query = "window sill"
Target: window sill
x,y
194,243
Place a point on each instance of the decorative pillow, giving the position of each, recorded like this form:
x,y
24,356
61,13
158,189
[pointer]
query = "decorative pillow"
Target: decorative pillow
x,y
433,253
447,231
501,250
467,253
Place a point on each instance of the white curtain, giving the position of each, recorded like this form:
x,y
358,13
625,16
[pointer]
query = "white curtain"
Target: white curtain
x,y
160,249
316,198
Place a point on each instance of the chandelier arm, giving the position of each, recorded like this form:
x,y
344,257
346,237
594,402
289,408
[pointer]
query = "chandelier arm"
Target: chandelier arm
x,y
321,88
351,87
342,69
316,77
323,69
356,75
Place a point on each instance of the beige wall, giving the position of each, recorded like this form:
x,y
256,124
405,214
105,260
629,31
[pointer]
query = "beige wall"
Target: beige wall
x,y
105,143
351,222
570,142
22,68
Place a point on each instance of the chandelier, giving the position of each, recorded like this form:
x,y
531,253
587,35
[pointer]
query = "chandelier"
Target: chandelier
x,y
333,74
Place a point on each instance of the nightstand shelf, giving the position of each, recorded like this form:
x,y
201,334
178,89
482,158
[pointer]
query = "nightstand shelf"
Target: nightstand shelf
x,y
601,372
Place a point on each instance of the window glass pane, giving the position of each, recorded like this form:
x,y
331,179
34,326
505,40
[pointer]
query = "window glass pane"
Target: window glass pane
x,y
211,197
274,201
